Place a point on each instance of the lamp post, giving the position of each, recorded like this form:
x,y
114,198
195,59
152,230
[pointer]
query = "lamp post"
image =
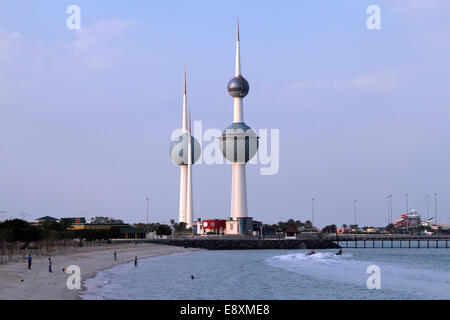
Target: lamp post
x,y
355,211
389,197
147,213
435,207
428,198
312,211
407,204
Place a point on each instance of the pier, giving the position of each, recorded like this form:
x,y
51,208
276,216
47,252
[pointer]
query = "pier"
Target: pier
x,y
362,241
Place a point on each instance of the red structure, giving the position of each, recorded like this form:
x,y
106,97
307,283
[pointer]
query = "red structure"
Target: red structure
x,y
214,225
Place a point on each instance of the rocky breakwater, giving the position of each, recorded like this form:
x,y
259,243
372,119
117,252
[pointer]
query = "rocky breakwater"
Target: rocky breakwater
x,y
242,244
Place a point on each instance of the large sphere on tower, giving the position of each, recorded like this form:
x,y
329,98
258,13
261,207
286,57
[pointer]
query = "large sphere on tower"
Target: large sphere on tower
x,y
238,87
238,143
179,150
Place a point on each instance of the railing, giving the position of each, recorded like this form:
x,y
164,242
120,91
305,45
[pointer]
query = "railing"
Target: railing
x,y
344,237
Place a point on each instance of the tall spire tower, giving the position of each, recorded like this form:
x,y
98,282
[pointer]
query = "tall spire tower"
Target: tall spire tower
x,y
180,148
239,142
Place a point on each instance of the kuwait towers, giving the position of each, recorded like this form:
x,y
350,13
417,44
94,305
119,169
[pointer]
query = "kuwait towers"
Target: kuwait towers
x,y
238,142
183,145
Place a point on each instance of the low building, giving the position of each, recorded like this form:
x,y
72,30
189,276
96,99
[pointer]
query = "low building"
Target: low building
x,y
75,223
290,233
47,219
310,231
130,232
444,226
214,226
239,226
232,227
245,225
257,227
197,227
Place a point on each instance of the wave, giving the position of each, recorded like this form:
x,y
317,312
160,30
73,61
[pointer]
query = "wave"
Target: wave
x,y
350,270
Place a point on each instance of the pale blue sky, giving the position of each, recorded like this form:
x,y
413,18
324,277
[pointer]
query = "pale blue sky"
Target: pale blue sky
x,y
86,117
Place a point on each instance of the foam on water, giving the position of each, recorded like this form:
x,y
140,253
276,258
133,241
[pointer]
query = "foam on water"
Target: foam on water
x,y
430,283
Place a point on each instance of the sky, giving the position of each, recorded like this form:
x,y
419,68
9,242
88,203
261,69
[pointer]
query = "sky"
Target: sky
x,y
86,115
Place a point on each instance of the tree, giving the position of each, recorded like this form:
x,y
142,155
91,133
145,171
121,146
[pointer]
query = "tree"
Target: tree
x,y
308,224
390,227
180,227
298,224
20,230
163,230
329,229
106,220
151,227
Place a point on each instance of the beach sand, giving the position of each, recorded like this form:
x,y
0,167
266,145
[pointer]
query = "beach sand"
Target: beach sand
x,y
39,284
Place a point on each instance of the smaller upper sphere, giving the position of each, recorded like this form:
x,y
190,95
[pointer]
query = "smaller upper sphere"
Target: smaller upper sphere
x,y
238,87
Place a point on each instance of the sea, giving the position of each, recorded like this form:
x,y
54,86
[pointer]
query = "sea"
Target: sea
x,y
279,274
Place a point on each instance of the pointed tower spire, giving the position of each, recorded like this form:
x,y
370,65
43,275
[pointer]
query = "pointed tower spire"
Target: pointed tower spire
x,y
238,53
185,103
238,29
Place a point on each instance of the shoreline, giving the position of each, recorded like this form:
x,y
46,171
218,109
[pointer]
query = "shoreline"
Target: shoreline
x,y
76,294
19,283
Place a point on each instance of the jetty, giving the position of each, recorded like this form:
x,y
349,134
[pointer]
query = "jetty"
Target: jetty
x,y
248,244
391,241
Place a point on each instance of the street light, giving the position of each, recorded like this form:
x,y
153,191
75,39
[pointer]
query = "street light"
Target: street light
x,y
147,213
435,207
312,211
389,197
428,198
355,211
407,206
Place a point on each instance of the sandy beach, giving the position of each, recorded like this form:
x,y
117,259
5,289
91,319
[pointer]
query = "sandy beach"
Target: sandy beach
x,y
19,283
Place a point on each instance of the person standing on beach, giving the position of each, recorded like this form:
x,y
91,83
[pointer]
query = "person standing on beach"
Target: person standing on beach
x,y
29,261
115,256
135,261
49,265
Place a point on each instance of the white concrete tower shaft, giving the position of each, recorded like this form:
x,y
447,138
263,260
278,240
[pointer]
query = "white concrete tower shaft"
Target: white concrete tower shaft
x,y
189,196
239,185
183,167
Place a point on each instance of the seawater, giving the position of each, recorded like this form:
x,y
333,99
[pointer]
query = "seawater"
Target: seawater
x,y
278,274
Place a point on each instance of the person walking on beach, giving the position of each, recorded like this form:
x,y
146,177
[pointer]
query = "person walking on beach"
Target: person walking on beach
x,y
29,261
115,256
49,265
135,261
